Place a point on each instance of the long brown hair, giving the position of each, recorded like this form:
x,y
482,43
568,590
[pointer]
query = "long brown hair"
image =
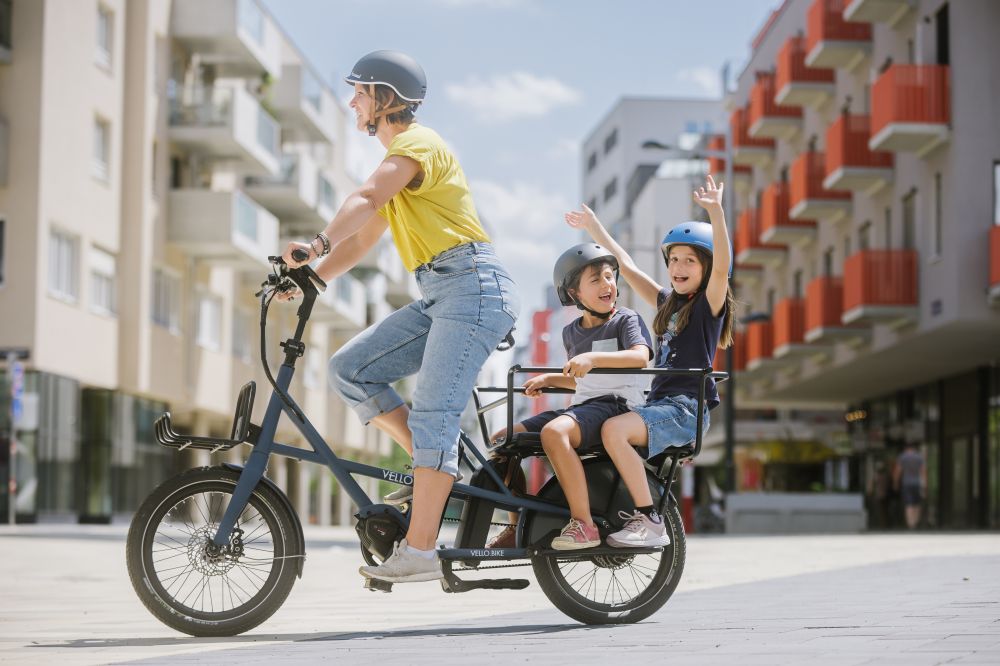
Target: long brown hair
x,y
681,304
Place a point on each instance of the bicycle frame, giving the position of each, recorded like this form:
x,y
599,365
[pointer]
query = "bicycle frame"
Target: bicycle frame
x,y
343,469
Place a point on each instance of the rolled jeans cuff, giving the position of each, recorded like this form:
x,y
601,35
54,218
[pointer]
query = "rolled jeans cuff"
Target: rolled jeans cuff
x,y
436,459
381,403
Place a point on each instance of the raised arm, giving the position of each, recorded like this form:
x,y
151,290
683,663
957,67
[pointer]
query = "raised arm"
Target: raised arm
x,y
642,284
709,197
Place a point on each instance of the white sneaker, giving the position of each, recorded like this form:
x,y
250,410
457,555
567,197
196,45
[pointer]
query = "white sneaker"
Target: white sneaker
x,y
405,567
399,496
639,532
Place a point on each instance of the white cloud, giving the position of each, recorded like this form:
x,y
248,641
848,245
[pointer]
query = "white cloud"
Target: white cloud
x,y
564,149
507,97
704,78
527,227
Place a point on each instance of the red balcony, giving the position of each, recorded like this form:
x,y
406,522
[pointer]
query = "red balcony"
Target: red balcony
x,y
739,355
760,344
747,150
850,163
798,84
789,327
832,41
911,107
876,11
767,118
879,286
749,248
775,224
810,200
717,165
995,263
824,311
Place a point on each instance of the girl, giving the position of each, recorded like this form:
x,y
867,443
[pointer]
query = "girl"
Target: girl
x,y
691,321
468,304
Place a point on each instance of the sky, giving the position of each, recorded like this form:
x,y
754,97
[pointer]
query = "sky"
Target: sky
x,y
515,86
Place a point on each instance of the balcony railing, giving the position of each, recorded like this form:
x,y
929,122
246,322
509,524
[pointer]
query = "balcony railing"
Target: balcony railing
x,y
789,326
747,274
760,343
995,262
292,193
775,224
880,285
798,84
767,118
739,355
746,149
717,165
810,199
911,108
832,41
227,226
850,163
824,311
236,36
876,11
749,248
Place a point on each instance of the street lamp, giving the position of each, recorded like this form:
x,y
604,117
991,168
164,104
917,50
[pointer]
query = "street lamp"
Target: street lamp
x,y
727,204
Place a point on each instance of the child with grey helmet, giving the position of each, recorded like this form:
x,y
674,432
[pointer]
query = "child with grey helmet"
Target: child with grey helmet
x,y
693,318
604,336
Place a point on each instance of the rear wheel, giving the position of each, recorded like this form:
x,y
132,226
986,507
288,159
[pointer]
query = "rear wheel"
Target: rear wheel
x,y
195,587
615,589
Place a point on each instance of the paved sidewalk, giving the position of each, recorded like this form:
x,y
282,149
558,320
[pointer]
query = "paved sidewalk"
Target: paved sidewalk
x,y
873,599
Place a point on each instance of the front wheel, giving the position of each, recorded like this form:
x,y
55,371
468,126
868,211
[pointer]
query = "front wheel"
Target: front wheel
x,y
608,589
195,587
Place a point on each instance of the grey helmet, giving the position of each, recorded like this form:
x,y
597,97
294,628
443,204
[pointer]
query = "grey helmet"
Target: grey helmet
x,y
396,70
574,260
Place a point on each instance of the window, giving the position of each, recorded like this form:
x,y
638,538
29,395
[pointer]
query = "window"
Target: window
x,y
5,29
770,301
155,171
828,262
102,282
847,247
246,217
327,195
910,220
610,189
105,31
3,223
592,161
102,149
209,322
942,41
610,141
864,235
243,335
936,233
888,227
166,300
63,266
797,285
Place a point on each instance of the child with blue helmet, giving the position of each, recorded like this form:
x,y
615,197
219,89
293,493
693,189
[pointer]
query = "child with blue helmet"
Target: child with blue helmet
x,y
693,318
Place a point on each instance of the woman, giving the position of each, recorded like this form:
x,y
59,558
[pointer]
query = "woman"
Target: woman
x,y
468,303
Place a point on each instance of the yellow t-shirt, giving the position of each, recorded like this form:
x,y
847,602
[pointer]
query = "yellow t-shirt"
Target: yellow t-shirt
x,y
437,215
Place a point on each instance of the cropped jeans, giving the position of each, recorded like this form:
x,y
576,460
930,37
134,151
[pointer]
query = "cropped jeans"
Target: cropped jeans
x,y
469,303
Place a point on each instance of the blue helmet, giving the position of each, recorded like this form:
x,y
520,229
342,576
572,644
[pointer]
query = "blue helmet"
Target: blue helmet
x,y
692,233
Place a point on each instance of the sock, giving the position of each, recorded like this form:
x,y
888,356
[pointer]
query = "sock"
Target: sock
x,y
426,554
649,512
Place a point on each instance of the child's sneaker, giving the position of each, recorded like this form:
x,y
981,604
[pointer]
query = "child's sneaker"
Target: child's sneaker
x,y
639,532
506,538
577,535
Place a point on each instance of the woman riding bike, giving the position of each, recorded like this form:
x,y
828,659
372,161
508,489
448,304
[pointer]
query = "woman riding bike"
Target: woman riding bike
x,y
468,300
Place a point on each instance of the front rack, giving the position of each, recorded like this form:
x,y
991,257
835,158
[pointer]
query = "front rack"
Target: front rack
x,y
244,431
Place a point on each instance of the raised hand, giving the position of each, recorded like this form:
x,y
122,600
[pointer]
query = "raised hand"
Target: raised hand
x,y
582,219
709,196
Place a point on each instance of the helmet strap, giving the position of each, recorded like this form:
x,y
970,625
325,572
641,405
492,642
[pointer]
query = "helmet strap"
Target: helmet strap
x,y
600,315
373,118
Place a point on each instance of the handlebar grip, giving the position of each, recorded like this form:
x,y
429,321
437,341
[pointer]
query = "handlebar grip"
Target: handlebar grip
x,y
300,255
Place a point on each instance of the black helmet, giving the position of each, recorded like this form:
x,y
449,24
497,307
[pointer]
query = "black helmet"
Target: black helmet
x,y
574,260
394,69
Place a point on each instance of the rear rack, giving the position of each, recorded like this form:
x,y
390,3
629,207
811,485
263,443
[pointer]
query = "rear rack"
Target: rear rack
x,y
244,431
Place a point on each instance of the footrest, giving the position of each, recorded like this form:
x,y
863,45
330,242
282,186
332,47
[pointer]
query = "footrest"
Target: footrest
x,y
376,585
453,584
597,551
243,430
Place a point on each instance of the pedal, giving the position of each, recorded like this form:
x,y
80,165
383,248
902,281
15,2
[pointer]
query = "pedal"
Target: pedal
x,y
453,584
376,585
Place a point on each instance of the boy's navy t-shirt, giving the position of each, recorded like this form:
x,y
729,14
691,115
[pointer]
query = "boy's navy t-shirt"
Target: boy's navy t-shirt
x,y
694,347
623,330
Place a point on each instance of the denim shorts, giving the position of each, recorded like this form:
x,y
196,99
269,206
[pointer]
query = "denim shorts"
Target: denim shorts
x,y
671,421
589,415
469,303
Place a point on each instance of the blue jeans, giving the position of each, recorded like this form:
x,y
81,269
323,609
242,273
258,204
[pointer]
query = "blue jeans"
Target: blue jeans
x,y
671,421
469,304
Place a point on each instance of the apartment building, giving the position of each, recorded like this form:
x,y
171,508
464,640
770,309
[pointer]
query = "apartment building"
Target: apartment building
x,y
152,154
868,237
